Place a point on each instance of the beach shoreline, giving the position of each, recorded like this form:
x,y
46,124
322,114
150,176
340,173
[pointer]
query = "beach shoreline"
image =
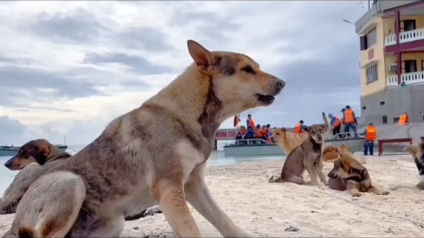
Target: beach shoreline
x,y
289,210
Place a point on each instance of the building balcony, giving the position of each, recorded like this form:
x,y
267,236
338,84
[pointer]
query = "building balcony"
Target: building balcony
x,y
408,78
407,36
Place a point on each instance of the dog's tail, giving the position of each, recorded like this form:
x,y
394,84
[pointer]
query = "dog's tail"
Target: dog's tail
x,y
25,232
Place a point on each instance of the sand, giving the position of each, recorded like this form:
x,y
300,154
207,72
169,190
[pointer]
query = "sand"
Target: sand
x,y
287,210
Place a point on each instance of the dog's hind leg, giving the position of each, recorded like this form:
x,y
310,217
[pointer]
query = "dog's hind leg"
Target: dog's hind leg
x,y
50,206
377,191
200,198
295,179
172,200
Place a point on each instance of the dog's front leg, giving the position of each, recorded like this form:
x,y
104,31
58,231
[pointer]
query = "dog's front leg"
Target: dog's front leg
x,y
200,198
378,191
171,197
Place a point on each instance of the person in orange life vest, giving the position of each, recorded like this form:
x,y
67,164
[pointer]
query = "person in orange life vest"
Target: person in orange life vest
x,y
250,124
269,133
336,123
242,133
299,127
349,120
370,137
403,120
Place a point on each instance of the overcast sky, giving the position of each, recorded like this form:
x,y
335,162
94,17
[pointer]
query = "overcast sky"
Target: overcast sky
x,y
69,68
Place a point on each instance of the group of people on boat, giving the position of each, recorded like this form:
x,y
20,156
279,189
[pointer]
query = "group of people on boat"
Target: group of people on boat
x,y
254,131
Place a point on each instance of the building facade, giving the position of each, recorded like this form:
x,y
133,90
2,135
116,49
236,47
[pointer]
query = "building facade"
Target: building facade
x,y
391,35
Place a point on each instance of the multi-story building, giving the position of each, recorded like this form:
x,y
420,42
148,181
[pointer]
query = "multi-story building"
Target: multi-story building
x,y
391,37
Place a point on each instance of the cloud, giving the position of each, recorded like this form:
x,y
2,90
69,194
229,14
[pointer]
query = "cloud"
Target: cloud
x,y
69,68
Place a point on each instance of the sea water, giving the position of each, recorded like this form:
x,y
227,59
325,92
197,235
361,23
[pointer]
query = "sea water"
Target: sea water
x,y
217,158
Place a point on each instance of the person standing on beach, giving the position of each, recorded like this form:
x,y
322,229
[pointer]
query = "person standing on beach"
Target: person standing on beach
x,y
370,137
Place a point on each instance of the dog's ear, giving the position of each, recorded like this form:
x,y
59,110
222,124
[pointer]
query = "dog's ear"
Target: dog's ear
x,y
283,129
307,129
200,55
41,155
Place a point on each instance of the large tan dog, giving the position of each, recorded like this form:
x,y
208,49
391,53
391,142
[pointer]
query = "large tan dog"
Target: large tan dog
x,y
29,159
155,154
307,156
287,140
348,174
417,152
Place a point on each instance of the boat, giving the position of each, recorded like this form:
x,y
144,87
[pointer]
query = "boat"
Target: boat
x,y
355,143
6,150
260,147
252,147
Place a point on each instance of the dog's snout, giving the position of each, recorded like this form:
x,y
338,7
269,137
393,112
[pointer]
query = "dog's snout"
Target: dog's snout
x,y
319,137
280,84
8,164
331,174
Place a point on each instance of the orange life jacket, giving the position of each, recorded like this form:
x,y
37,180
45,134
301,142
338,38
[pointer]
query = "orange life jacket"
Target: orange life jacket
x,y
338,122
252,123
403,120
243,132
259,133
298,128
371,134
349,116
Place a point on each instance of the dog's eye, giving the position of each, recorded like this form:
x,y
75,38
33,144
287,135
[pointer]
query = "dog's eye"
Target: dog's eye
x,y
248,70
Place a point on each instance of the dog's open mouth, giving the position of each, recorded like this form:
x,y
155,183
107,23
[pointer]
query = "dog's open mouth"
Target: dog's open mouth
x,y
268,99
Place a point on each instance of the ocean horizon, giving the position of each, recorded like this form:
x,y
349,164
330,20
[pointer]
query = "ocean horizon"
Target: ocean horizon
x,y
217,158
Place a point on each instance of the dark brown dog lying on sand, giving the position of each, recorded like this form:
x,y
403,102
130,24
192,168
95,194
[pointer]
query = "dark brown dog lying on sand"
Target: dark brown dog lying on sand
x,y
40,151
417,152
348,174
34,159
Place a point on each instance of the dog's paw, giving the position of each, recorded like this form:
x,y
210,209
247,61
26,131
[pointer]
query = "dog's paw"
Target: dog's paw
x,y
356,194
385,193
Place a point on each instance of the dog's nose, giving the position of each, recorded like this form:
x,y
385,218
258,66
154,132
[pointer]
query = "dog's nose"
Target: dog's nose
x,y
281,84
8,164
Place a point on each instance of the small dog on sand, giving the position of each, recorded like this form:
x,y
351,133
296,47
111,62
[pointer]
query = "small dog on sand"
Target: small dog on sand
x,y
348,174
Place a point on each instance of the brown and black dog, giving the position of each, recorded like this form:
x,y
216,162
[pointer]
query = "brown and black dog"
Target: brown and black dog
x,y
40,151
348,174
34,159
417,152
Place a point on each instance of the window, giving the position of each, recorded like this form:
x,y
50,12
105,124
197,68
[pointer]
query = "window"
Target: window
x,y
409,25
396,120
410,66
384,119
364,107
372,74
369,40
382,103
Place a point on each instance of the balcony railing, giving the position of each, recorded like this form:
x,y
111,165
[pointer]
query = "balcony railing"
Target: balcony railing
x,y
406,36
408,78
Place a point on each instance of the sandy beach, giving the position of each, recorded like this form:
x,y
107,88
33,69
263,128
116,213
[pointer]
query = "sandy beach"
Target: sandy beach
x,y
288,210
